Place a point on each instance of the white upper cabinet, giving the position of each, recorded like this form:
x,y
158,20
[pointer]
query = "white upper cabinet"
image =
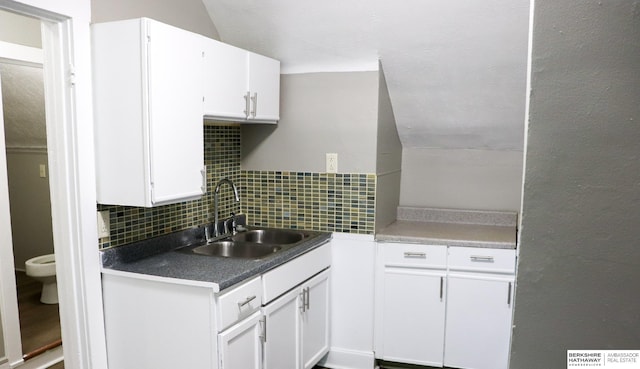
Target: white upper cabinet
x,y
240,86
148,91
153,83
226,81
264,87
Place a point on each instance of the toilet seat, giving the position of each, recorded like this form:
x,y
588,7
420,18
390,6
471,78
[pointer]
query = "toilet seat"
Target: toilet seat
x,y
41,266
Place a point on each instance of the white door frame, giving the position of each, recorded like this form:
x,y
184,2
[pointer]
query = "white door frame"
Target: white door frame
x,y
70,147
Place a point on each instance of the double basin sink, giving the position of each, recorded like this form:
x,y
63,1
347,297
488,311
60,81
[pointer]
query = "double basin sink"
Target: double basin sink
x,y
252,244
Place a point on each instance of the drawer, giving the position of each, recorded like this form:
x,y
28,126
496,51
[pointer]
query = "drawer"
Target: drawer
x,y
413,255
239,302
285,277
476,259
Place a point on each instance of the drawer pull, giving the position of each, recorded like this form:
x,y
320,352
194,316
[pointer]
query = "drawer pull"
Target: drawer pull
x,y
415,255
248,300
484,259
509,295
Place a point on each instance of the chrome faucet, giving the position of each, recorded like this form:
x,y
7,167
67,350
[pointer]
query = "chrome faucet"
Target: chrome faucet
x,y
216,194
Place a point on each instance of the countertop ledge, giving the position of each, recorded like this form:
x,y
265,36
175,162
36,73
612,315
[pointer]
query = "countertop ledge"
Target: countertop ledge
x,y
460,228
158,259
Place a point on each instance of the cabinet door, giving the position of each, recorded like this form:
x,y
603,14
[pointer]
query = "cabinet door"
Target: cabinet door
x,y
226,81
479,311
264,84
174,100
315,319
240,346
413,316
282,341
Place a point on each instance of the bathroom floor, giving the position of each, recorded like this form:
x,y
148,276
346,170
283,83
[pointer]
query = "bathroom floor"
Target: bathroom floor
x,y
39,323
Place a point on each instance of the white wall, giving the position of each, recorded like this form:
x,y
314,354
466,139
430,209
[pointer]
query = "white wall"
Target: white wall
x,y
18,29
461,179
30,206
579,261
319,113
190,15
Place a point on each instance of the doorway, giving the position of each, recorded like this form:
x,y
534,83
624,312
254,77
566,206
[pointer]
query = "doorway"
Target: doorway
x,y
24,128
67,78
26,151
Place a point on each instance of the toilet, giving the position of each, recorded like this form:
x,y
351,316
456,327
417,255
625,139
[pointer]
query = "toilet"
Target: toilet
x,y
43,269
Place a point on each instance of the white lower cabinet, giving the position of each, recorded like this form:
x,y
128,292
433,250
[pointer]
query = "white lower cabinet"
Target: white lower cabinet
x,y
411,304
439,305
297,333
278,320
314,317
478,321
241,345
479,308
282,343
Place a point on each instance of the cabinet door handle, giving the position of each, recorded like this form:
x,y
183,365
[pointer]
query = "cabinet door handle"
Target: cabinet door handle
x,y
255,105
248,300
302,301
308,299
415,255
509,295
203,171
481,258
264,328
441,287
247,104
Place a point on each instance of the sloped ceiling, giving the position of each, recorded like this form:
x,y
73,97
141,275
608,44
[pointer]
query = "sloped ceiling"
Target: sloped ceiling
x,y
23,105
456,69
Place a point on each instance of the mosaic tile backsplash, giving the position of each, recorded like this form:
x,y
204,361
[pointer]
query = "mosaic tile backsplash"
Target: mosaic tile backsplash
x,y
316,201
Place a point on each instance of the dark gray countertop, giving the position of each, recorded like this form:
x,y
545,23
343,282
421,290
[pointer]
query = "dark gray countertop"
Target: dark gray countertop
x,y
452,228
158,257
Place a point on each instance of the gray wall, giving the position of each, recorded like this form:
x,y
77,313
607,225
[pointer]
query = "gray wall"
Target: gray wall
x,y
18,29
461,179
319,113
389,158
30,206
190,15
579,262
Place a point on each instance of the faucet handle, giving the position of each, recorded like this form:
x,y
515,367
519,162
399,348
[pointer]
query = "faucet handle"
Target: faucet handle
x,y
234,224
207,234
232,218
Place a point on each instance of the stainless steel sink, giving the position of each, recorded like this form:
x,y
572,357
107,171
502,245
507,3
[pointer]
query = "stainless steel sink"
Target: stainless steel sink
x,y
270,236
252,244
236,249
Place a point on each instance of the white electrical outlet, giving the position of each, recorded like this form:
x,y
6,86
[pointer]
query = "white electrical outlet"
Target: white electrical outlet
x,y
104,226
332,163
43,171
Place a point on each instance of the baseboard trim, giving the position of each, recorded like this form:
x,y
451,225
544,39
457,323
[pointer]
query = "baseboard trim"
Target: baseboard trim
x,y
339,358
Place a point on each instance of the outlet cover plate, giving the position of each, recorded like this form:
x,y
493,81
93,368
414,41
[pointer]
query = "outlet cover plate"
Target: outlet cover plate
x,y
332,163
